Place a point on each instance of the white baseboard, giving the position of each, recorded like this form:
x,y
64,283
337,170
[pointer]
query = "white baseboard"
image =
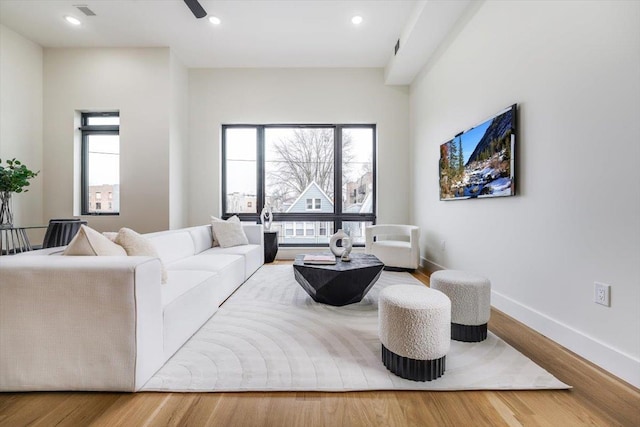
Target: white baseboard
x,y
620,364
430,266
614,361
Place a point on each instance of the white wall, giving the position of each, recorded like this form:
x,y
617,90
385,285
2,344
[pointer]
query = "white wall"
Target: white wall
x,y
137,83
574,70
261,96
178,145
21,118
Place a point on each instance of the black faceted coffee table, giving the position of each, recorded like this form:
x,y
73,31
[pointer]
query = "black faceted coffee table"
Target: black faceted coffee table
x,y
340,284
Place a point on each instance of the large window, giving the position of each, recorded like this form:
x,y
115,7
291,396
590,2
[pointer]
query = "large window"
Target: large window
x,y
100,163
316,178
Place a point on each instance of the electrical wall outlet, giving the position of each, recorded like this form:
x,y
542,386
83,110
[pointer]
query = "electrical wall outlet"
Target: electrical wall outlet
x,y
602,294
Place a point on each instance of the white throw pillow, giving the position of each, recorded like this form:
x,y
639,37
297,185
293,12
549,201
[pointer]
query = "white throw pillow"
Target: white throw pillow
x,y
89,242
213,233
229,233
135,244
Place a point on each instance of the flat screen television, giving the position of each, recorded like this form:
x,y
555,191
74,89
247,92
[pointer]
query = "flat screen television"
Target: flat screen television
x,y
479,162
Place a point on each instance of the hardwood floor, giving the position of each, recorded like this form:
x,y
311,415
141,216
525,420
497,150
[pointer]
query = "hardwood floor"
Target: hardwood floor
x,y
597,398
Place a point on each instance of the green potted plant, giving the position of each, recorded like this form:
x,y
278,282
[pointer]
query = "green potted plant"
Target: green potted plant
x,y
14,177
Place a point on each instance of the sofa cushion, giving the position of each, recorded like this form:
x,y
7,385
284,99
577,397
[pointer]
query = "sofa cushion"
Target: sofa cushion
x,y
253,256
136,244
180,282
184,313
230,269
205,263
172,245
202,237
90,242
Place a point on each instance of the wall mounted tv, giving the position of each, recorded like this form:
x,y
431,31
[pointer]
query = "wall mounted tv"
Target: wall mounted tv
x,y
479,162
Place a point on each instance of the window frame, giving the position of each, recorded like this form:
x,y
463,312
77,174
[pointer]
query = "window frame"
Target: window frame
x,y
337,216
86,130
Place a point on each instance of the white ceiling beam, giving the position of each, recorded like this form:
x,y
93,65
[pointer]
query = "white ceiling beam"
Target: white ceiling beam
x,y
427,28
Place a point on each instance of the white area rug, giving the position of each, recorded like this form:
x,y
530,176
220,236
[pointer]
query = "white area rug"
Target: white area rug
x,y
271,336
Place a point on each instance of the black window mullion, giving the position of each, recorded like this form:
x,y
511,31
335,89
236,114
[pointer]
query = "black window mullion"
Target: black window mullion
x,y
374,178
224,169
260,196
84,176
337,176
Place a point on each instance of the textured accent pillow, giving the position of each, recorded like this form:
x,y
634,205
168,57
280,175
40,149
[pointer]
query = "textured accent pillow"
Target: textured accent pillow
x,y
111,235
229,233
213,233
135,244
90,242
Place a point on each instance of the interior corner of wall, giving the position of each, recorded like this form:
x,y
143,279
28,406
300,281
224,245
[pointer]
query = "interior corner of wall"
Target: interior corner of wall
x,y
77,163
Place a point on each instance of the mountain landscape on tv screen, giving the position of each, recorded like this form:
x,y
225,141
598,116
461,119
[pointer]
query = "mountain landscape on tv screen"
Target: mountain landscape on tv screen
x,y
477,163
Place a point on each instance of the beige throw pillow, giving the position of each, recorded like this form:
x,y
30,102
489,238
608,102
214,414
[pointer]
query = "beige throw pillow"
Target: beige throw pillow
x,y
89,242
111,235
229,233
136,244
216,219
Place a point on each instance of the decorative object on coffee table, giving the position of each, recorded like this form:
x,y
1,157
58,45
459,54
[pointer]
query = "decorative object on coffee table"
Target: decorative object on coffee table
x,y
14,177
333,242
340,284
347,245
470,296
270,246
266,217
414,324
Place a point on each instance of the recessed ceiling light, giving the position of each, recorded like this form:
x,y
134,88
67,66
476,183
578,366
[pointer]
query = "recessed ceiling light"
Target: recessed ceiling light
x,y
214,20
357,20
72,20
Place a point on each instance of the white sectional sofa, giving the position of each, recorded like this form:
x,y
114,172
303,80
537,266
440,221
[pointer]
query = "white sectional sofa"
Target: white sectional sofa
x,y
107,323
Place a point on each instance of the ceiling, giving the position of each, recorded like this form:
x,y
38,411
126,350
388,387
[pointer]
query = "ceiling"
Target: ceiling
x,y
253,33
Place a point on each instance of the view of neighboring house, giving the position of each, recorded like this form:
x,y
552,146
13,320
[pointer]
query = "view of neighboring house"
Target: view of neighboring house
x,y
311,200
104,198
314,200
240,202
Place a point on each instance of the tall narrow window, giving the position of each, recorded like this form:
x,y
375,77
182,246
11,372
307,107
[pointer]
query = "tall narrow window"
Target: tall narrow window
x,y
100,162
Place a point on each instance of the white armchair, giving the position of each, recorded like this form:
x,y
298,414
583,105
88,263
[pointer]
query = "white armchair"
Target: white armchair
x,y
397,246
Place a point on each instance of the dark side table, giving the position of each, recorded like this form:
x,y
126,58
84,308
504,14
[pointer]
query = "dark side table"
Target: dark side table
x,y
270,246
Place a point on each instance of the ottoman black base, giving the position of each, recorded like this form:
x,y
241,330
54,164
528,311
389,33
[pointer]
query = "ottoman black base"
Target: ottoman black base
x,y
468,333
413,369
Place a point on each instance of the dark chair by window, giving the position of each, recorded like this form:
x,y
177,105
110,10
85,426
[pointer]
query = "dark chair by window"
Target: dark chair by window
x,y
61,231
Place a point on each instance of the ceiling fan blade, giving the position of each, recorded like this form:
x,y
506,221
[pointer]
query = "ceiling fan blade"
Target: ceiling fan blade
x,y
196,8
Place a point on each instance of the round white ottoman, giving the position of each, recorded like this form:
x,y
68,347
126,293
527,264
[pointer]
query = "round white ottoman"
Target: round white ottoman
x,y
470,297
414,324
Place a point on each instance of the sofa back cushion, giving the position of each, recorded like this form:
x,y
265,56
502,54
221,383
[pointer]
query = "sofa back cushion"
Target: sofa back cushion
x,y
202,238
172,245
